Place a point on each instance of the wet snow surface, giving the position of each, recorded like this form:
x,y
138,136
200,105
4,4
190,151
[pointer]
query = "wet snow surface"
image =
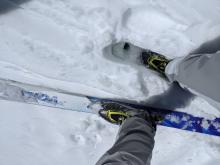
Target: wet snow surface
x,y
64,40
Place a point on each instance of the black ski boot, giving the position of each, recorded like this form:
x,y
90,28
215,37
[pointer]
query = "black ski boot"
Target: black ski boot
x,y
154,61
131,53
117,113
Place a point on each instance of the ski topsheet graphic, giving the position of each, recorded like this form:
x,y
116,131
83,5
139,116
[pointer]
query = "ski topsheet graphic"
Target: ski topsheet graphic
x,y
56,98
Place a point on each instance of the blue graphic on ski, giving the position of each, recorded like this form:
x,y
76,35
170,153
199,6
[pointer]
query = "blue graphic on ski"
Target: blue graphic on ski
x,y
175,119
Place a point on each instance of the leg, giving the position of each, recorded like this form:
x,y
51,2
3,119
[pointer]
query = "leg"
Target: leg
x,y
134,144
199,73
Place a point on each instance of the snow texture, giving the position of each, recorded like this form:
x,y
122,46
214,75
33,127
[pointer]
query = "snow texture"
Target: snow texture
x,y
60,44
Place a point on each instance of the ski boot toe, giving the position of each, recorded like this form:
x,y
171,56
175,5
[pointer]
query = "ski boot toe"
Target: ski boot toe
x,y
114,113
154,61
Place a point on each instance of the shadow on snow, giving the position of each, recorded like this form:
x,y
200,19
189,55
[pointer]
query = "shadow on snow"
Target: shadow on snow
x,y
9,5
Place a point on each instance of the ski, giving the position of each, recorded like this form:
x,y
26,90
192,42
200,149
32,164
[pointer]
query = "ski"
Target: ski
x,y
44,96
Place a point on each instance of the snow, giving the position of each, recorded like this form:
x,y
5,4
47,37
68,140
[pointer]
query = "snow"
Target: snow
x,y
60,44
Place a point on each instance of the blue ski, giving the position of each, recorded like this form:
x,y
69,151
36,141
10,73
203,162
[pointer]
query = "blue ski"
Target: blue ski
x,y
56,98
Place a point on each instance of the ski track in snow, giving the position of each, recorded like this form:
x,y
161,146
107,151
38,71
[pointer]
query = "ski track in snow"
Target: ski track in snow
x,y
63,40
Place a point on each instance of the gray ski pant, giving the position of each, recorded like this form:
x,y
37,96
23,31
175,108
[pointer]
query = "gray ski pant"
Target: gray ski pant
x,y
133,146
200,74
